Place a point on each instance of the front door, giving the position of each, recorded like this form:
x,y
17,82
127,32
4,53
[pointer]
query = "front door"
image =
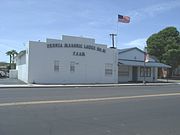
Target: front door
x,y
134,74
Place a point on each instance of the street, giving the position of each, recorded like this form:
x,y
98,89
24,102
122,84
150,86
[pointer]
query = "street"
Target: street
x,y
143,110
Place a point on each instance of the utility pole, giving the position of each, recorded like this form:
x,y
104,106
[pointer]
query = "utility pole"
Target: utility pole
x,y
113,35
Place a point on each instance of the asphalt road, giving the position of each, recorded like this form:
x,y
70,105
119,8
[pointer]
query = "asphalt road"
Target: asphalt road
x,y
158,114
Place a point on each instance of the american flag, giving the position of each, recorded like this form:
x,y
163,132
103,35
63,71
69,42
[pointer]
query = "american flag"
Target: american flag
x,y
146,57
123,19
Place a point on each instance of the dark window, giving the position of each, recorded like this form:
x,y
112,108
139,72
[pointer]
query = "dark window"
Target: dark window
x,y
56,66
72,67
108,69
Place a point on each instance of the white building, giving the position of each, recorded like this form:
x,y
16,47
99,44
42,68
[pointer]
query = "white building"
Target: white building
x,y
70,60
81,60
132,67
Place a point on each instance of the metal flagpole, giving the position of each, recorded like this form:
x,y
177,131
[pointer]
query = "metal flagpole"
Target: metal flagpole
x,y
117,33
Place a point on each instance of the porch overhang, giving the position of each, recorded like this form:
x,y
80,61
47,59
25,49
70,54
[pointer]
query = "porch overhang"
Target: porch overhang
x,y
141,63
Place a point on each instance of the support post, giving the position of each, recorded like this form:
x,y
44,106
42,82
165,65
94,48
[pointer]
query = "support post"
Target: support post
x,y
145,53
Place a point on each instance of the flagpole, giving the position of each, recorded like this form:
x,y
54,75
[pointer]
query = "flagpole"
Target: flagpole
x,y
117,33
123,19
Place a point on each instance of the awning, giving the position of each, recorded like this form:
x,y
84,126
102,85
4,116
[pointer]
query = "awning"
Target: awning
x,y
141,63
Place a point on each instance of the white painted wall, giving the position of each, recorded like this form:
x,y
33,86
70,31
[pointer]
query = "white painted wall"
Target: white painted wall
x,y
22,73
13,74
22,68
89,68
37,65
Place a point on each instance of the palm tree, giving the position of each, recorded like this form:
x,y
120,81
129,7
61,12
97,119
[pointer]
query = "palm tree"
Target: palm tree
x,y
12,55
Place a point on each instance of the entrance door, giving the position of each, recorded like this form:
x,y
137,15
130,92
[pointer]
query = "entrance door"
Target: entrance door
x,y
134,74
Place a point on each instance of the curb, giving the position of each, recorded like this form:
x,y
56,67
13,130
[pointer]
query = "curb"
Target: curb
x,y
88,85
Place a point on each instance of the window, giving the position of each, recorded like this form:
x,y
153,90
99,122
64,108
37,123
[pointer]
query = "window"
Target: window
x,y
147,72
56,66
108,69
72,67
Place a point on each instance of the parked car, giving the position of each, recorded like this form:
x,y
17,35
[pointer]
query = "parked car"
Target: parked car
x,y
2,74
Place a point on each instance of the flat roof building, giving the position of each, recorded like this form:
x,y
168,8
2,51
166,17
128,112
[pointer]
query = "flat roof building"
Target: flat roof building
x,y
70,60
81,60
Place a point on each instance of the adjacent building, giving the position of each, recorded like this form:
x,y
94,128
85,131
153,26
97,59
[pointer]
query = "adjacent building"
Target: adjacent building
x,y
81,60
133,68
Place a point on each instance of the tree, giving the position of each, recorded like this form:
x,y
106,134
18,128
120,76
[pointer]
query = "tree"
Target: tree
x,y
172,57
165,45
12,55
158,44
9,53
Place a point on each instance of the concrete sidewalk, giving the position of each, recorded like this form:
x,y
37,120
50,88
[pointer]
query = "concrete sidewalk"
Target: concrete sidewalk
x,y
15,83
169,80
81,85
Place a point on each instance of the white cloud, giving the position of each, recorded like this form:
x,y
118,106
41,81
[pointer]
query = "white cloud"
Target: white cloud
x,y
140,43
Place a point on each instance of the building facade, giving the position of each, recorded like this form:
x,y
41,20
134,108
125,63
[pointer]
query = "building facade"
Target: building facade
x,y
70,60
81,60
133,68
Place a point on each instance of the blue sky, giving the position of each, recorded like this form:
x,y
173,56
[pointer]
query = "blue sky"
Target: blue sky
x,y
24,20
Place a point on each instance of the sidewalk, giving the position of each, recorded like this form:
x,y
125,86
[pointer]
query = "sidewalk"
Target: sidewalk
x,y
169,80
81,85
15,83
